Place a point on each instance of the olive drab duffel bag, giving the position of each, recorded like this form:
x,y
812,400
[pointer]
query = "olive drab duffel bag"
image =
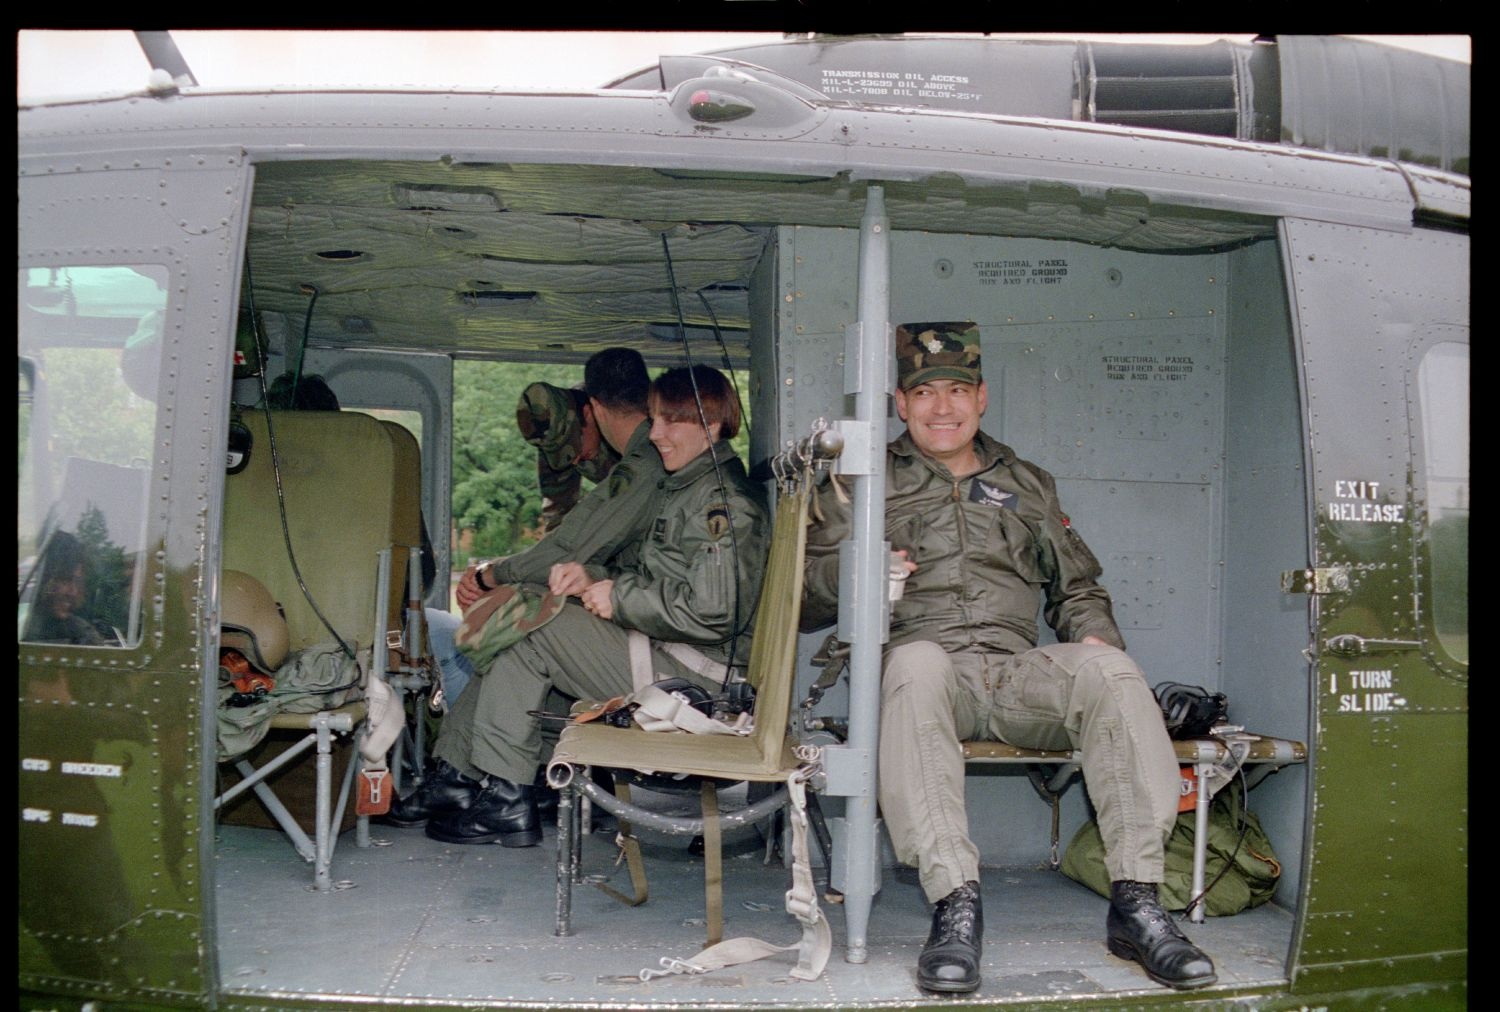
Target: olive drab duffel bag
x,y
1252,868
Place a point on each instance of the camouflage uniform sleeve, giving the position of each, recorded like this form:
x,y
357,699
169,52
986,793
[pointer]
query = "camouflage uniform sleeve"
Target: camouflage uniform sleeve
x,y
829,526
547,419
612,516
1077,606
560,488
712,580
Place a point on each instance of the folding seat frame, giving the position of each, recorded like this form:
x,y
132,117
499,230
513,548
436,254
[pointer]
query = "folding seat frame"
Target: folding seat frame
x,y
766,756
357,442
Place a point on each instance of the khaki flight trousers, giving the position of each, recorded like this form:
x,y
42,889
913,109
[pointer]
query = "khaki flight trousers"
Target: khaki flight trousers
x,y
1063,696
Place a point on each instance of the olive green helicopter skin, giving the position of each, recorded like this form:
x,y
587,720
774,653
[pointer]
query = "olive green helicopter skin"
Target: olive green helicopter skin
x,y
1246,362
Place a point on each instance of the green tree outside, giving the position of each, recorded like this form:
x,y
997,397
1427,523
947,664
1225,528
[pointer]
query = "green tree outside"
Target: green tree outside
x,y
496,505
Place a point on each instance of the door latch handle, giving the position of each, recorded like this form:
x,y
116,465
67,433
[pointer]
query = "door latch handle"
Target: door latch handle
x,y
1350,645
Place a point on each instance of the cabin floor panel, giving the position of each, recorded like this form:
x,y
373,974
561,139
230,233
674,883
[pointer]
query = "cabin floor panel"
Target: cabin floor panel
x,y
422,920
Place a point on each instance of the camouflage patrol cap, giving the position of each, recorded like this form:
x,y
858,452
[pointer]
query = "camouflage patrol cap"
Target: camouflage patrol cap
x,y
550,418
931,351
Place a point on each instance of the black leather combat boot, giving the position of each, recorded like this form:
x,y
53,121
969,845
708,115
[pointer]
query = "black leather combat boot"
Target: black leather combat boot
x,y
443,789
1139,928
503,812
950,959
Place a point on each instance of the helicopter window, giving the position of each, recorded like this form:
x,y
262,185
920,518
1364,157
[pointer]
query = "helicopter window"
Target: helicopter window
x,y
1443,379
90,345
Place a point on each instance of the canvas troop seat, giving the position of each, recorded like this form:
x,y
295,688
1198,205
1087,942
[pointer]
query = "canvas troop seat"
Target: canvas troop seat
x,y
1209,761
764,756
351,488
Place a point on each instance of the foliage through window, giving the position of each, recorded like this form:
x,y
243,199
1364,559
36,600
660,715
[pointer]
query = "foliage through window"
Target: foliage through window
x,y
496,502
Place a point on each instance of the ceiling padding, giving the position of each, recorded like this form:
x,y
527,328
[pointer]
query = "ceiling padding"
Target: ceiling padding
x,y
491,258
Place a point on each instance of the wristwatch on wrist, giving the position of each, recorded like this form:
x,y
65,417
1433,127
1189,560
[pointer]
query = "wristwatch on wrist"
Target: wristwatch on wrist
x,y
479,572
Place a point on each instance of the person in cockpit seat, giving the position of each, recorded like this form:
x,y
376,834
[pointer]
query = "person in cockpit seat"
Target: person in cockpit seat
x,y
984,541
57,615
682,604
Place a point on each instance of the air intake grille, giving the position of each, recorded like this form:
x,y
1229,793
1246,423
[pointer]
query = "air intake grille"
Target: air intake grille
x,y
1162,87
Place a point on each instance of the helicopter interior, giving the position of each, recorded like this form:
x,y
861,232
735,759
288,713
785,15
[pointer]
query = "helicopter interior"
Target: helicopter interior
x,y
1141,352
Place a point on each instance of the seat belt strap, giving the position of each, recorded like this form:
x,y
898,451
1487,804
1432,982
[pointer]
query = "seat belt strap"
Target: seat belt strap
x,y
801,902
639,646
694,660
658,710
713,862
630,850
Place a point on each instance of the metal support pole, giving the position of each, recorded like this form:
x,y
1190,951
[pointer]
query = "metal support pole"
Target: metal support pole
x,y
380,656
414,638
1200,837
566,804
322,880
870,566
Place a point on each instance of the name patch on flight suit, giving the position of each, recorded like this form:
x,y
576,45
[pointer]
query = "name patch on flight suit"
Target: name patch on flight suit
x,y
717,518
991,495
659,529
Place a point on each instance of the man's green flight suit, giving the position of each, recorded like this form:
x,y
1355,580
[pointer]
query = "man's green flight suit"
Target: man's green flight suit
x,y
605,527
990,548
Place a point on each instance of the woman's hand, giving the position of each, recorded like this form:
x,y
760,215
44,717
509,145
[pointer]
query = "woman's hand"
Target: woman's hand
x,y
597,600
567,578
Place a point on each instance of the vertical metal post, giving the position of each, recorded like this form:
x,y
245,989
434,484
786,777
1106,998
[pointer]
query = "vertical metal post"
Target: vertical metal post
x,y
413,639
380,657
1200,840
566,829
322,879
870,565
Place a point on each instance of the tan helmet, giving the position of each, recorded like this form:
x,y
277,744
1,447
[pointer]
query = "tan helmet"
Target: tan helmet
x,y
252,622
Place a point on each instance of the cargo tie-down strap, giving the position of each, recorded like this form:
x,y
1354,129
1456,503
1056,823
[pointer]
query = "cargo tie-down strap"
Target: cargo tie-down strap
x,y
801,902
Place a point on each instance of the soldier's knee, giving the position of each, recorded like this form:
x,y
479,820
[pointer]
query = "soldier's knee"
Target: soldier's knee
x,y
1107,669
917,668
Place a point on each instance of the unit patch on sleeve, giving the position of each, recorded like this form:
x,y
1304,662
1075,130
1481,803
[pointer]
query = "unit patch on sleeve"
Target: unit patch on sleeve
x,y
991,495
717,517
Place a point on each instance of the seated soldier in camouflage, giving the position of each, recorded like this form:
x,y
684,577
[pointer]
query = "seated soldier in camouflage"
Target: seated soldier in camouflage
x,y
685,603
603,529
569,447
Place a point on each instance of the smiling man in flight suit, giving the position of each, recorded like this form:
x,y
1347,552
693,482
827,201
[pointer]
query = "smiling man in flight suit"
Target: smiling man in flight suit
x,y
985,540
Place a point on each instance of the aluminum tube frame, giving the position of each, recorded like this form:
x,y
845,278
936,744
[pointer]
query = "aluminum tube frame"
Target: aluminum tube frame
x,y
871,564
677,825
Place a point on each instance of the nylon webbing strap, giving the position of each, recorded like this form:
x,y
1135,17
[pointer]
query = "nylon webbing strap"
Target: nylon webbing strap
x,y
694,660
801,902
713,863
630,848
387,717
639,645
658,710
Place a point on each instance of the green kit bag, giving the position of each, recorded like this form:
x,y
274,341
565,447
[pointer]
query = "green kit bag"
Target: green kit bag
x,y
1249,881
